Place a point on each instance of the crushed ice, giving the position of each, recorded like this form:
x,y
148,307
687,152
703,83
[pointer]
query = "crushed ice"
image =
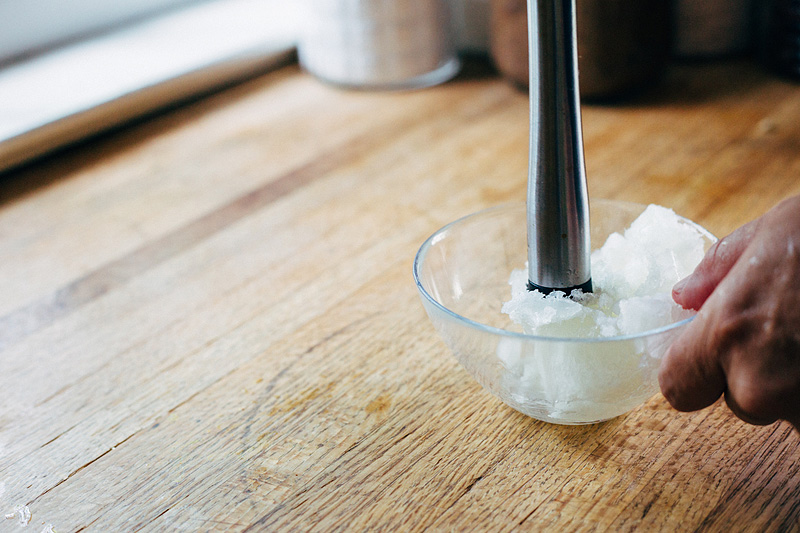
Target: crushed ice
x,y
21,513
633,275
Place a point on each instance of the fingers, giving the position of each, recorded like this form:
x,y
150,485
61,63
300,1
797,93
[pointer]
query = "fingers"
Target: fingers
x,y
744,342
692,292
747,417
691,376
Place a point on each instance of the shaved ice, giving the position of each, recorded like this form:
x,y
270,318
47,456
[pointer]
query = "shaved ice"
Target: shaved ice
x,y
633,274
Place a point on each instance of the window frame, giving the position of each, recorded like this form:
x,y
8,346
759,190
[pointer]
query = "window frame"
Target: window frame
x,y
30,27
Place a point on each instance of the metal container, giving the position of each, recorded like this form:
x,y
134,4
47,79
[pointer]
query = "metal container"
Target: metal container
x,y
379,44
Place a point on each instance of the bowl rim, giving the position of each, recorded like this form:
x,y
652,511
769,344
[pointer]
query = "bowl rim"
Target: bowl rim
x,y
429,242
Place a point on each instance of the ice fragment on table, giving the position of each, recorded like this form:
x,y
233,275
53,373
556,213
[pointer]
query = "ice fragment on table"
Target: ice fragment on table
x,y
21,513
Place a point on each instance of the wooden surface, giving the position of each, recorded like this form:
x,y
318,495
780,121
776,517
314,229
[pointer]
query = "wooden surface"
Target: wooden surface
x,y
208,320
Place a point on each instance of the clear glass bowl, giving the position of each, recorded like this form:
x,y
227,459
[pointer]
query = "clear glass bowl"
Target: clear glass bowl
x,y
462,274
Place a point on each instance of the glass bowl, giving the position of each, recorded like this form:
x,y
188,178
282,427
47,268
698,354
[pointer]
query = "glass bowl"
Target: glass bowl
x,y
462,274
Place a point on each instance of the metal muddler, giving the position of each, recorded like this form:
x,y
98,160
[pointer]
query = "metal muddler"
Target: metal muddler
x,y
558,202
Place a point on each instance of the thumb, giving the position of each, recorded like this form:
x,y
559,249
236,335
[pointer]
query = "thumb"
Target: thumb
x,y
693,291
691,376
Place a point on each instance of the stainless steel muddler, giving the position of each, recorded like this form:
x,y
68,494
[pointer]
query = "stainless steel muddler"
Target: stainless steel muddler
x,y
558,202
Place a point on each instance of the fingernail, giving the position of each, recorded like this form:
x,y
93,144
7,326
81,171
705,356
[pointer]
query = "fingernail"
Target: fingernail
x,y
678,288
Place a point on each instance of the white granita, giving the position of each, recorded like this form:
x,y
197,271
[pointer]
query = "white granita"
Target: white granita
x,y
633,274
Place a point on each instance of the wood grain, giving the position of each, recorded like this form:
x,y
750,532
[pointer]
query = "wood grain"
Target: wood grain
x,y
208,321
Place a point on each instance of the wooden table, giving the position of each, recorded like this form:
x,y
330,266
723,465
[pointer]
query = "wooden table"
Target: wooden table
x,y
208,319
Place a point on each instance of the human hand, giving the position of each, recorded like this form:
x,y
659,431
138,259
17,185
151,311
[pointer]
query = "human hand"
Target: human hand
x,y
745,340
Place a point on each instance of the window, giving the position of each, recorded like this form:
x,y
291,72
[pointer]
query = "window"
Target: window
x,y
30,26
67,75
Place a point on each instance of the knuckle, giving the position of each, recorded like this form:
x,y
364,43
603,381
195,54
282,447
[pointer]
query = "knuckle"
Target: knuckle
x,y
751,403
678,399
715,254
729,330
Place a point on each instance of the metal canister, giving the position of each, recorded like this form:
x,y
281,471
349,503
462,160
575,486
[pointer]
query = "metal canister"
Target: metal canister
x,y
379,44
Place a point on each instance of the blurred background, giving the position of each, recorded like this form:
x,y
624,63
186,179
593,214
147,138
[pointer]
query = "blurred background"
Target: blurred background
x,y
72,68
